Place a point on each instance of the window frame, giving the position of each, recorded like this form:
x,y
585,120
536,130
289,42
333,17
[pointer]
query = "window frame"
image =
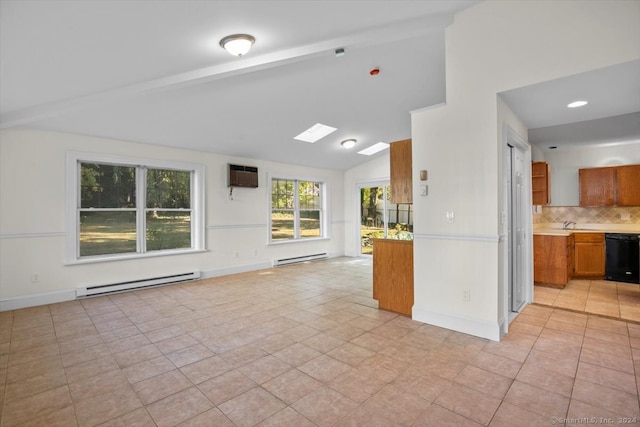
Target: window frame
x,y
73,206
324,208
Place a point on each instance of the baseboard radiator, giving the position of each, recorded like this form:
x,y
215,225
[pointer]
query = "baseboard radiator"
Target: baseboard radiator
x,y
136,284
286,261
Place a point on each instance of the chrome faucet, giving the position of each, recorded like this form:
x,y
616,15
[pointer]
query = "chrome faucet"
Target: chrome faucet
x,y
566,224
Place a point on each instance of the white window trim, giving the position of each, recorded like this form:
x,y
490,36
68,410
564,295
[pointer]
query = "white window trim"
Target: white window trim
x,y
73,196
325,230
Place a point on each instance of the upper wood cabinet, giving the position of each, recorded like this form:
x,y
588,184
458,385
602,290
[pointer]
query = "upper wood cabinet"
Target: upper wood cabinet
x,y
597,186
610,186
401,172
540,183
628,183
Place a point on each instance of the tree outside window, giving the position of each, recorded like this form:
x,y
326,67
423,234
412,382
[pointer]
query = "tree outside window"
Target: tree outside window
x,y
296,209
133,209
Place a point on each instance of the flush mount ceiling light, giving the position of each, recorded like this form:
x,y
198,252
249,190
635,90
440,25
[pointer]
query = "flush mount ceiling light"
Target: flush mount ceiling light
x,y
237,44
348,143
375,148
576,104
315,133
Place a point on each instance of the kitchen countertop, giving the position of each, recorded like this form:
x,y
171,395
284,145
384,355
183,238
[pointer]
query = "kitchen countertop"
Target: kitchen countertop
x,y
555,229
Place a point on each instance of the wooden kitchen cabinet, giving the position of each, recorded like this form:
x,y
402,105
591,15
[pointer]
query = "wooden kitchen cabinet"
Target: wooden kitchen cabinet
x,y
401,172
540,175
597,186
393,275
552,260
628,185
589,255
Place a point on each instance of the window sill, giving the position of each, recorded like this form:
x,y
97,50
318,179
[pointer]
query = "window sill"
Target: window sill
x,y
125,257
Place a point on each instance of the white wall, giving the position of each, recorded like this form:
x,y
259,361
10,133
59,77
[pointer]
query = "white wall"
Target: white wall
x,y
492,47
374,170
565,162
32,218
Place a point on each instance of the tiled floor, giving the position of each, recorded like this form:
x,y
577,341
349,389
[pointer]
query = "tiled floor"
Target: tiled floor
x,y
613,299
304,345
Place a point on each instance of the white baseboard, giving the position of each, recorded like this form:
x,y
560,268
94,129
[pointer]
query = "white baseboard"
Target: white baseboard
x,y
476,327
235,269
25,301
16,303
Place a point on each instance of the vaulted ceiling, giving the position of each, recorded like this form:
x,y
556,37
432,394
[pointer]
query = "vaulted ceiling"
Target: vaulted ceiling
x,y
153,72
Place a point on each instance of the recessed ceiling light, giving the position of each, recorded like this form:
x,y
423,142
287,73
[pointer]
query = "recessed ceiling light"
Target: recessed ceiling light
x,y
315,133
348,143
237,44
375,148
576,104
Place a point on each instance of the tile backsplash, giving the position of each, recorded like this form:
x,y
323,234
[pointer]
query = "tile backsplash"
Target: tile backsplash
x,y
598,215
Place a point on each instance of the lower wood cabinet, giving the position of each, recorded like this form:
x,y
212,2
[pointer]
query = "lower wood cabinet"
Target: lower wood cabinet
x,y
393,275
589,255
552,259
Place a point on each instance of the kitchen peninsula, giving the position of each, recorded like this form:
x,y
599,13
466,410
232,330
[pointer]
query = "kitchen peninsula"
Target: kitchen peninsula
x,y
393,274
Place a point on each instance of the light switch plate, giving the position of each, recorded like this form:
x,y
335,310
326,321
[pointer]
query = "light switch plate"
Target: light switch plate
x,y
424,190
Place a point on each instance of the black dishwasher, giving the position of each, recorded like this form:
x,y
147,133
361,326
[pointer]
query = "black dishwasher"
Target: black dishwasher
x,y
623,257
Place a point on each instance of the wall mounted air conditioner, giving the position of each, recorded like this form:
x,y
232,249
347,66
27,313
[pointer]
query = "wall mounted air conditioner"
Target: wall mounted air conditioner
x,y
243,176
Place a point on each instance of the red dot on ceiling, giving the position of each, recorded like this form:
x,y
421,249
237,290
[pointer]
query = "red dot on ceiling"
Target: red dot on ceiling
x,y
374,72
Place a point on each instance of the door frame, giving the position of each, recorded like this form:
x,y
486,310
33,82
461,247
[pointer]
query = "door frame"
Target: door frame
x,y
511,138
358,210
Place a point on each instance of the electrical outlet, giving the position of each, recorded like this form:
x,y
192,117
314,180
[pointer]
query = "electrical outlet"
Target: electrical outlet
x,y
255,252
236,254
35,277
450,216
466,294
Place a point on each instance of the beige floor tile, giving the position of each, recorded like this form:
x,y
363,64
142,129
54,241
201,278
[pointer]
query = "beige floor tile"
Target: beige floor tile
x,y
469,403
497,364
286,417
251,407
537,376
36,406
212,417
313,336
509,415
484,381
87,387
324,368
291,386
161,386
105,407
534,399
606,398
297,354
188,355
324,406
203,370
608,377
226,386
65,417
179,407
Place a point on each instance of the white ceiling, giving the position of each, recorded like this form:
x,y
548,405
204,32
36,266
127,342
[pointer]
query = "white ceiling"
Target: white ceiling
x,y
612,114
153,72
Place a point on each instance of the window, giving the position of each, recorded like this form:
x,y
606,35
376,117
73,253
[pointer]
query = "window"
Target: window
x,y
297,209
123,208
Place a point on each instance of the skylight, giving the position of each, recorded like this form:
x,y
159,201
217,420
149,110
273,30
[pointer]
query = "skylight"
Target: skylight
x,y
375,148
315,133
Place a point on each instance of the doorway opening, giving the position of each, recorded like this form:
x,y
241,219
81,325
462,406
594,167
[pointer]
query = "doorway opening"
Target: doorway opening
x,y
518,223
379,218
